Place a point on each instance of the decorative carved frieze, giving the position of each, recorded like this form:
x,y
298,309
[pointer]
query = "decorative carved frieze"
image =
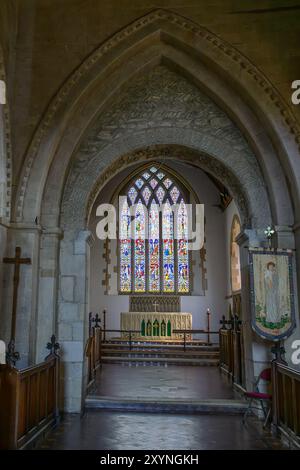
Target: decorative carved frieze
x,y
146,303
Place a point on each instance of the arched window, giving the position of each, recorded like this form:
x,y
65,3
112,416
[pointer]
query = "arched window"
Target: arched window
x,y
235,256
153,228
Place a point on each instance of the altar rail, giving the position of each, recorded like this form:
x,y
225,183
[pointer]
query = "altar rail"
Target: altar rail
x,y
189,335
28,402
286,400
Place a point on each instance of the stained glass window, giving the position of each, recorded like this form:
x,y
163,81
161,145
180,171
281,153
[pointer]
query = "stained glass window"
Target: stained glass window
x,y
156,260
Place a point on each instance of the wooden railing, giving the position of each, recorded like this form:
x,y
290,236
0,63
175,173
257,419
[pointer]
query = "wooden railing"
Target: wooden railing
x,y
28,402
286,400
231,350
93,354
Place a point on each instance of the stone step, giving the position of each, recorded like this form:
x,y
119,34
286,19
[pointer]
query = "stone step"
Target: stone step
x,y
160,361
162,353
155,405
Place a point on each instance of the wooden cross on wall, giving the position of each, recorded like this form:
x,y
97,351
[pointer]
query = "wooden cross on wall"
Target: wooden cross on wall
x,y
17,261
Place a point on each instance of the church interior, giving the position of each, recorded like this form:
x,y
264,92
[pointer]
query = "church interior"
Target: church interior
x,y
149,224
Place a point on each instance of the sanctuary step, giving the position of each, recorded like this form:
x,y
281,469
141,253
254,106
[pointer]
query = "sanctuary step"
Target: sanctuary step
x,y
154,353
154,405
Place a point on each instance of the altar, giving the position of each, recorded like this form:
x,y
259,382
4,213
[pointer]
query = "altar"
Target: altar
x,y
156,325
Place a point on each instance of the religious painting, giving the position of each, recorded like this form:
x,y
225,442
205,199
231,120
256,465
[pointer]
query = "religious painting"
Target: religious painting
x,y
272,293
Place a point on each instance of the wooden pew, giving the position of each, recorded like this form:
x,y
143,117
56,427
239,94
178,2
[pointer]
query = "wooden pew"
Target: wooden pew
x,y
286,401
28,402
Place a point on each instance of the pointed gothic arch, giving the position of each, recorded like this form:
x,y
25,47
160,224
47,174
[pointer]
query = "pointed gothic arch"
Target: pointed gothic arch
x,y
172,33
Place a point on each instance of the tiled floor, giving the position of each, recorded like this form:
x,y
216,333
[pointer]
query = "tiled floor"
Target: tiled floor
x,y
127,431
114,430
162,382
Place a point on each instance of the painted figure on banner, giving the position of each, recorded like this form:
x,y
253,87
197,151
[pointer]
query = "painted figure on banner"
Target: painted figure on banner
x,y
272,293
272,308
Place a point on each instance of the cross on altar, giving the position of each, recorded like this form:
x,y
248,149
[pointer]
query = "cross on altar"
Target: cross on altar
x,y
17,261
155,304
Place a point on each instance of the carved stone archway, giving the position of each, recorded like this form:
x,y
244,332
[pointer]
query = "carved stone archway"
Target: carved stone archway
x,y
251,142
165,35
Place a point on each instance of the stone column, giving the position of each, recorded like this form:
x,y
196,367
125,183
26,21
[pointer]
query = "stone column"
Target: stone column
x,y
48,286
72,315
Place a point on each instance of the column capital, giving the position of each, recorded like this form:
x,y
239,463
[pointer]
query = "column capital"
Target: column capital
x,y
84,237
53,232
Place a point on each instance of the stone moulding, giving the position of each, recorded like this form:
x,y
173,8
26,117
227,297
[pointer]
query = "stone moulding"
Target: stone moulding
x,y
159,17
172,152
5,212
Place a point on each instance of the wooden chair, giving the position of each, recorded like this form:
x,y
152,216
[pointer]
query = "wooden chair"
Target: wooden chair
x,y
265,399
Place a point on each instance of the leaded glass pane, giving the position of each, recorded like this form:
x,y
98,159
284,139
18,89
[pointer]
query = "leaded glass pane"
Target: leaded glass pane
x,y
139,249
146,195
183,257
146,175
132,193
154,249
153,169
125,250
160,175
160,193
168,249
167,183
139,183
153,183
174,193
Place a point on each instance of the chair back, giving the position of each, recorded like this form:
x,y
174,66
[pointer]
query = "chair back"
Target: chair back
x,y
264,375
